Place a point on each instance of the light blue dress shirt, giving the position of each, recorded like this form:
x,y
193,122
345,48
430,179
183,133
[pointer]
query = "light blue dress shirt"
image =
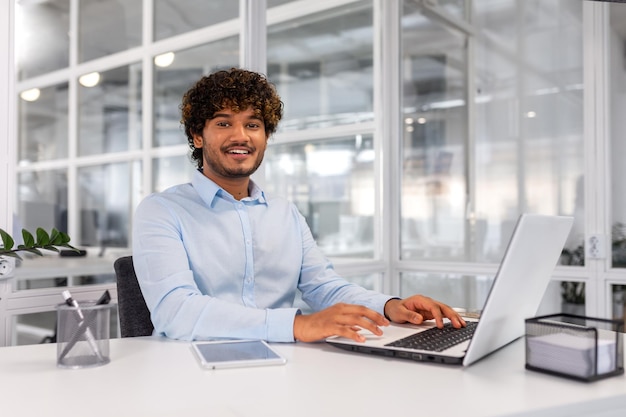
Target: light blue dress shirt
x,y
210,266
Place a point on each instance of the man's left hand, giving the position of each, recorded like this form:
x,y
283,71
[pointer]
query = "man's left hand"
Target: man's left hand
x,y
417,308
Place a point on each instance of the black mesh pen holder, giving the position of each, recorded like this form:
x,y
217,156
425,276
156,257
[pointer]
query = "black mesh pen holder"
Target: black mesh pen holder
x,y
576,347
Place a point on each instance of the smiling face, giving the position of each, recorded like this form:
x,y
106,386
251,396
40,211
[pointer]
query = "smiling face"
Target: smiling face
x,y
233,145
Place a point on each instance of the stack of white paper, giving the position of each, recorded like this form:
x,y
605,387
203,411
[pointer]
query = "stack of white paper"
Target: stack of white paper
x,y
569,354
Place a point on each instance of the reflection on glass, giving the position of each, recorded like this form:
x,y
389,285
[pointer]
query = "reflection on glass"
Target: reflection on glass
x,y
434,139
110,111
173,17
42,43
107,197
369,281
273,3
455,8
42,197
172,81
462,291
108,26
171,170
617,127
322,67
527,146
332,184
43,133
619,301
529,142
573,296
35,328
618,242
470,292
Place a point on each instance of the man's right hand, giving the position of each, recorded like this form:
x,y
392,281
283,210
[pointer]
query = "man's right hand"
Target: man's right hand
x,y
339,320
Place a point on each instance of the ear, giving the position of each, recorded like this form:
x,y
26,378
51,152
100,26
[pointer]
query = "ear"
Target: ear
x,y
197,141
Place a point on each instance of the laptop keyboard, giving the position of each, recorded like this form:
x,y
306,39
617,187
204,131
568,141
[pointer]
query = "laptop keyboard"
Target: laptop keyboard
x,y
435,339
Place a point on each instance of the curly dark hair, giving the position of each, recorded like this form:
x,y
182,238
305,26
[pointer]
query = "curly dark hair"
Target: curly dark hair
x,y
237,89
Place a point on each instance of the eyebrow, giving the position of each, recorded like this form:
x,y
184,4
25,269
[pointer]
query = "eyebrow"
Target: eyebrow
x,y
225,115
228,116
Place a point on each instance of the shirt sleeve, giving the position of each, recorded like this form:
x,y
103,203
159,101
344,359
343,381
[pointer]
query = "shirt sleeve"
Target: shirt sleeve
x,y
322,287
178,308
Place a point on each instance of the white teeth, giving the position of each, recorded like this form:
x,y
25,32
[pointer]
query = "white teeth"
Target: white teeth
x,y
238,151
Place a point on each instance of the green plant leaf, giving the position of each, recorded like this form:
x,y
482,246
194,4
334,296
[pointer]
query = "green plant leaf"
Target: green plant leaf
x,y
7,240
50,247
64,238
55,237
51,242
29,240
43,238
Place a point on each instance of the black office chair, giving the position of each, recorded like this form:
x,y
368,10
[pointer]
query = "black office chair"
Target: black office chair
x,y
132,309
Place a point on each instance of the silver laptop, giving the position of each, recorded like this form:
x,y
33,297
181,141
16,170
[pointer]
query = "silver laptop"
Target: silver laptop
x,y
517,290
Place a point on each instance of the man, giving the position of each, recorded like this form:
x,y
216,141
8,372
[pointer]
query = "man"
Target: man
x,y
217,258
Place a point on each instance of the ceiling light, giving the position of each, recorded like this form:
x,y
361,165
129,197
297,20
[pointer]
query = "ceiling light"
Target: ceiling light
x,y
89,80
164,60
30,95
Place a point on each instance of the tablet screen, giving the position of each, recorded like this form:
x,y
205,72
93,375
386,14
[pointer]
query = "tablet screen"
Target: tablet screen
x,y
219,354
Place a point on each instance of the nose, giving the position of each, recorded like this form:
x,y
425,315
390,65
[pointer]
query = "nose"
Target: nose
x,y
239,133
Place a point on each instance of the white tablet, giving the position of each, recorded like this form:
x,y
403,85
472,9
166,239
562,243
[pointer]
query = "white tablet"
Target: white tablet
x,y
235,353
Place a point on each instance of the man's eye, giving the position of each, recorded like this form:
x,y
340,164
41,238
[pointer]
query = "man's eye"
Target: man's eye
x,y
253,125
223,124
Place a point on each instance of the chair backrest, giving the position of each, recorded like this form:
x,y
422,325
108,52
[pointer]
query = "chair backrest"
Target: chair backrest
x,y
132,309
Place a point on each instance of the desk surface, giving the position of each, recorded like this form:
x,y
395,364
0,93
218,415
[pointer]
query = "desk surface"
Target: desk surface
x,y
57,266
157,377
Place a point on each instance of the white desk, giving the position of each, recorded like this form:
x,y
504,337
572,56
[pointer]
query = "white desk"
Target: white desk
x,y
157,377
57,266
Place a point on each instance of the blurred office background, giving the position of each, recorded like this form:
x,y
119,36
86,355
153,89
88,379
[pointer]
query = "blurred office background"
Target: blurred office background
x,y
415,133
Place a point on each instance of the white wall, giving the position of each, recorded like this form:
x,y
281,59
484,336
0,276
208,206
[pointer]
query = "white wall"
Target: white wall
x,y
7,129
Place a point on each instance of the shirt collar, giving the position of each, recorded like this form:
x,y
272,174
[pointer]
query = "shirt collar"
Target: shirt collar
x,y
209,190
256,193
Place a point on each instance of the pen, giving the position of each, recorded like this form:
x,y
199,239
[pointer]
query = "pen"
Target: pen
x,y
70,301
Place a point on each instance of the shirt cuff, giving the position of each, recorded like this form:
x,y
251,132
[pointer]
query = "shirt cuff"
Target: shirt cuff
x,y
280,324
385,305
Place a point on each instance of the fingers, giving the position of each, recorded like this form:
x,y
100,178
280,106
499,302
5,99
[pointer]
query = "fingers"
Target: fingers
x,y
418,308
444,311
344,320
352,318
351,333
455,318
404,315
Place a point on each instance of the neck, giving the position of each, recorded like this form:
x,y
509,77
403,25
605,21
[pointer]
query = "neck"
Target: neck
x,y
237,187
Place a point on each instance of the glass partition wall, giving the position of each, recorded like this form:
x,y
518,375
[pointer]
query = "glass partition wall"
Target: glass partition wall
x,y
492,128
99,129
322,65
615,240
498,113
